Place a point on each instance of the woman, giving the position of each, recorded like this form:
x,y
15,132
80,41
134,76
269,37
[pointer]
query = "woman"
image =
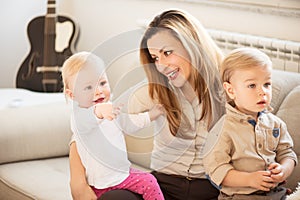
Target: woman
x,y
181,62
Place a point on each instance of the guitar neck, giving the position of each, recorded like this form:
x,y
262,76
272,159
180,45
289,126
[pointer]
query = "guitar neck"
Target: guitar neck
x,y
50,33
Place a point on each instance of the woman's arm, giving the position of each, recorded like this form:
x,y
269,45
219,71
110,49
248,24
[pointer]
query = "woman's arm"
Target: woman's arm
x,y
79,187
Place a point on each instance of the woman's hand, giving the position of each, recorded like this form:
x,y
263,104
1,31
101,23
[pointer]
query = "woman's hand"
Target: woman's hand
x,y
82,192
156,111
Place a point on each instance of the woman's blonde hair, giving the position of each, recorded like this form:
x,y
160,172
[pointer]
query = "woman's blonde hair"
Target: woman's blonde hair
x,y
204,55
243,58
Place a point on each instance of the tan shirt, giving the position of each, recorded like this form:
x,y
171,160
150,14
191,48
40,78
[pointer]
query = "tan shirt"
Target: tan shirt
x,y
242,147
175,155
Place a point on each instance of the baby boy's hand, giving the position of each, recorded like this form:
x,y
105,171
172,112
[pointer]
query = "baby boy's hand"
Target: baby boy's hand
x,y
276,172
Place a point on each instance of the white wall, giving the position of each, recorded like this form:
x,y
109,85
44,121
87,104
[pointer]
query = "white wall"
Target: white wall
x,y
100,20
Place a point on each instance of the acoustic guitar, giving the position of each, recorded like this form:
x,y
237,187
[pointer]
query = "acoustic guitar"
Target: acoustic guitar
x,y
52,40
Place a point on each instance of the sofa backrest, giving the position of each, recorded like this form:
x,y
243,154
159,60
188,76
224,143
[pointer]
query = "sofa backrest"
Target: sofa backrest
x,y
286,103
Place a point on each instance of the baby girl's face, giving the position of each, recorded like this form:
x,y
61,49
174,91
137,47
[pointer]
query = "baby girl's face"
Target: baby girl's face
x,y
89,89
102,90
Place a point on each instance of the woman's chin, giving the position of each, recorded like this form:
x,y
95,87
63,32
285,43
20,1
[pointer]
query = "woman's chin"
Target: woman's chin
x,y
178,83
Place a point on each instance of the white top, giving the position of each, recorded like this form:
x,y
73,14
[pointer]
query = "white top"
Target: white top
x,y
101,144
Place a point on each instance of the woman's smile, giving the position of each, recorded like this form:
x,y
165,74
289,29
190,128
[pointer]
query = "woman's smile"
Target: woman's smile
x,y
173,74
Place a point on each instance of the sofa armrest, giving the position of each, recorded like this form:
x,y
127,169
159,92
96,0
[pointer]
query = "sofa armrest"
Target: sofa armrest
x,y
34,132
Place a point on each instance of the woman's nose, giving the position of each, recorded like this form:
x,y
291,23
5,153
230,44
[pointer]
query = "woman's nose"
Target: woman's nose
x,y
161,64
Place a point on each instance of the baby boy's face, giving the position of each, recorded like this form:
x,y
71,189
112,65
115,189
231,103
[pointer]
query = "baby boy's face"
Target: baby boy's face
x,y
252,89
89,89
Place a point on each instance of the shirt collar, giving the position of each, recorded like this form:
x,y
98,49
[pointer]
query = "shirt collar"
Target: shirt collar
x,y
244,117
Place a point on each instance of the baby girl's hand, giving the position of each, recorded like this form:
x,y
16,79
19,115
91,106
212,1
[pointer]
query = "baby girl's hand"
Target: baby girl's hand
x,y
104,111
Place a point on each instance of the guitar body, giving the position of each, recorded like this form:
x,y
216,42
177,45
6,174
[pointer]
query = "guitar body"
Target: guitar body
x,y
29,75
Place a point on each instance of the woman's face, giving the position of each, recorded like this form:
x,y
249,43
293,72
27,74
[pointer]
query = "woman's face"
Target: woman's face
x,y
171,58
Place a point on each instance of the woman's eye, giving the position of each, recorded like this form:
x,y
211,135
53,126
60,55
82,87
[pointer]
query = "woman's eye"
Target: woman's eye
x,y
167,53
154,59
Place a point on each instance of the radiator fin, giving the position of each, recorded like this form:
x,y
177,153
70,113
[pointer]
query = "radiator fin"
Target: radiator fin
x,y
284,54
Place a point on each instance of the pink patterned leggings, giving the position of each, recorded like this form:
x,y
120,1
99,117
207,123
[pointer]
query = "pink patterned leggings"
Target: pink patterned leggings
x,y
139,182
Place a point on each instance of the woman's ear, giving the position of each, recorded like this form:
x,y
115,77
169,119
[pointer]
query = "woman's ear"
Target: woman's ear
x,y
69,93
229,90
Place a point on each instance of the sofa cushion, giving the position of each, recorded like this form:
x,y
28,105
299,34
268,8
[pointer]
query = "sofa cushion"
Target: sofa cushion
x,y
46,179
34,132
289,111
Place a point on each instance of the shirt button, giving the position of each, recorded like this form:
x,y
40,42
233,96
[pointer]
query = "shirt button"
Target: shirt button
x,y
259,146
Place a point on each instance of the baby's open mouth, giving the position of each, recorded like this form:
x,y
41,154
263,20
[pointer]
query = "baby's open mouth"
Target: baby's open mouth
x,y
262,102
100,100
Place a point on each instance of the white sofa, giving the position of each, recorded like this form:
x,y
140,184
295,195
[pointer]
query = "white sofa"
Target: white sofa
x,y
34,139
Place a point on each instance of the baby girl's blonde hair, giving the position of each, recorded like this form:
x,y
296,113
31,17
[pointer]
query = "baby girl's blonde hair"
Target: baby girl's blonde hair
x,y
75,63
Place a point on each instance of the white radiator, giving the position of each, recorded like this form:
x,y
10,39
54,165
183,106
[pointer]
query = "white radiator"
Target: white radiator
x,y
284,54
